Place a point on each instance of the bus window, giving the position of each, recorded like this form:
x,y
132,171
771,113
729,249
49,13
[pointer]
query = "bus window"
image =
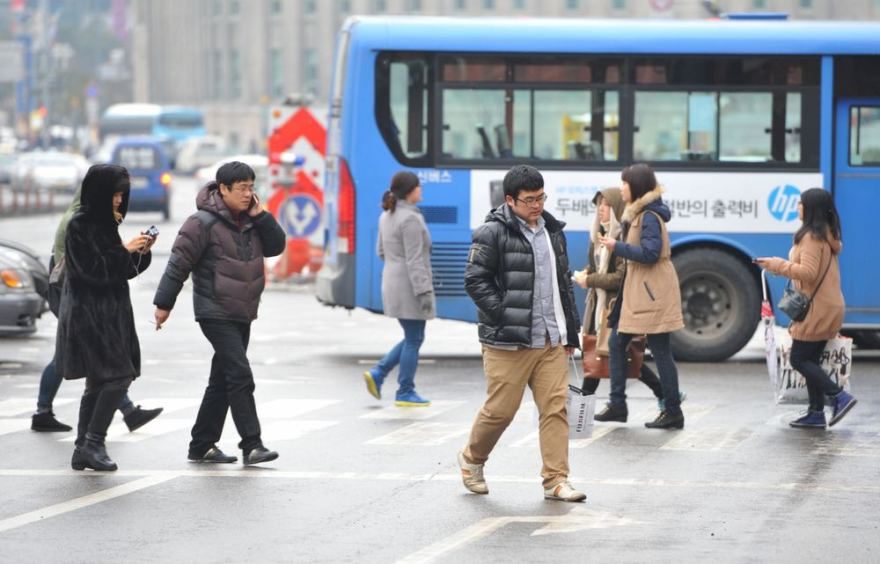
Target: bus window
x,y
864,138
675,126
745,121
470,119
402,106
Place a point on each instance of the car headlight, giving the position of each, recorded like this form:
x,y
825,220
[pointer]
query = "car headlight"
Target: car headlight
x,y
15,279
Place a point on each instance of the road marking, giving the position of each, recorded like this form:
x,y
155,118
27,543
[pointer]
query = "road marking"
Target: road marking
x,y
171,404
578,519
292,407
8,426
11,407
418,413
424,434
292,430
84,501
863,446
708,440
119,433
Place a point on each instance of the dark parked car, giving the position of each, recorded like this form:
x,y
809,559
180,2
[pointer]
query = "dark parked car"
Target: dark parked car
x,y
20,302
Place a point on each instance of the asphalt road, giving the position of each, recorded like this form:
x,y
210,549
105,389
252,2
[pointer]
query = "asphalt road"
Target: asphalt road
x,y
359,480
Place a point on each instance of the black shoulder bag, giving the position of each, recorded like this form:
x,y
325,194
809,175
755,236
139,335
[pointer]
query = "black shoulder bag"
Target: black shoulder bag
x,y
796,304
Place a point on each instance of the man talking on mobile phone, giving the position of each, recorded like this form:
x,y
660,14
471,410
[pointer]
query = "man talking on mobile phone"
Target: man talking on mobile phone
x,y
223,245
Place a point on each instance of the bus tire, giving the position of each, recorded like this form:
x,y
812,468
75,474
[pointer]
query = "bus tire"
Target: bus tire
x,y
720,302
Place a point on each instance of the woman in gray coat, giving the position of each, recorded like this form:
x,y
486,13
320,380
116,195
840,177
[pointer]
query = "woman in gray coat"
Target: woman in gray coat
x,y
407,285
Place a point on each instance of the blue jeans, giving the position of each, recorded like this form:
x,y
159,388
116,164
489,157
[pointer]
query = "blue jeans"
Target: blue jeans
x,y
662,352
50,381
406,354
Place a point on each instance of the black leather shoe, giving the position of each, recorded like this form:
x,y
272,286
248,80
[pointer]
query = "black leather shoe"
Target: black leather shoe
x,y
667,421
613,412
46,423
140,417
259,454
214,455
94,455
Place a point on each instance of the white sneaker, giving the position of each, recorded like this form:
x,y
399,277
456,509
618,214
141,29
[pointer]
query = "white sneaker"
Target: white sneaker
x,y
564,492
472,475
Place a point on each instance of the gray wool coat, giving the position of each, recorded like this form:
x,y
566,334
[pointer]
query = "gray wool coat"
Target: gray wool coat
x,y
405,245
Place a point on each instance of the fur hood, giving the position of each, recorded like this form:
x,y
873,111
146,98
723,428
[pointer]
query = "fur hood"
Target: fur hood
x,y
652,201
98,186
615,199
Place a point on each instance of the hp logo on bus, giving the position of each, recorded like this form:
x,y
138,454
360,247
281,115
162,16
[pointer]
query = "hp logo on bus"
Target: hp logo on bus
x,y
783,202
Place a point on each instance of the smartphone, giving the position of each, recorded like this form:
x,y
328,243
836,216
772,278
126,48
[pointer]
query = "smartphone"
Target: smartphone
x,y
253,201
152,231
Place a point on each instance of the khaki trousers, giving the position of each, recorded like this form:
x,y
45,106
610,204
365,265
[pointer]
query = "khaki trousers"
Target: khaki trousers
x,y
507,373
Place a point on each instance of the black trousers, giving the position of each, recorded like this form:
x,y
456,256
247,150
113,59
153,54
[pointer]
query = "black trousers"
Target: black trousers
x,y
99,402
646,377
805,357
230,387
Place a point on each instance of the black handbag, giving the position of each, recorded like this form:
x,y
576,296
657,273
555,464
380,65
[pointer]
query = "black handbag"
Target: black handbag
x,y
794,303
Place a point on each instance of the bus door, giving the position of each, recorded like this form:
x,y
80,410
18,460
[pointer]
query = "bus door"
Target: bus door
x,y
856,191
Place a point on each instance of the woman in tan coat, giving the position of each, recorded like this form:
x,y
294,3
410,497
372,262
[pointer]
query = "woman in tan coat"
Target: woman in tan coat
x,y
602,279
815,271
650,302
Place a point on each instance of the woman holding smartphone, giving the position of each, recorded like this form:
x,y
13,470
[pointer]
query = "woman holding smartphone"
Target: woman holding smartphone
x,y
813,267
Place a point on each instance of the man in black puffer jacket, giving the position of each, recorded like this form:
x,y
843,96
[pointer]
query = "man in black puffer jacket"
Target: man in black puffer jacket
x,y
518,276
223,245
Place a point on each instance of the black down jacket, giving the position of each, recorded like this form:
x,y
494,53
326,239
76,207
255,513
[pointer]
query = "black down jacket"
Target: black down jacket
x,y
225,258
500,277
96,334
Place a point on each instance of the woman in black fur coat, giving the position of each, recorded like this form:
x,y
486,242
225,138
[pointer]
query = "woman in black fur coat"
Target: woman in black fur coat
x,y
96,334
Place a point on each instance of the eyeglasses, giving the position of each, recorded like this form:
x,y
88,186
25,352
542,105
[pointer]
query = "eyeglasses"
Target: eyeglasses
x,y
242,189
532,201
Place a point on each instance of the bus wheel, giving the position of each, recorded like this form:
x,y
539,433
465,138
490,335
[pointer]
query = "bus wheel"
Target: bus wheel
x,y
721,304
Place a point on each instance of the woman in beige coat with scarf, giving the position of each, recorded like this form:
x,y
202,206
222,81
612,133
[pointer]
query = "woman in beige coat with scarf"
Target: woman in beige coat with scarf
x,y
407,285
814,269
650,301
602,279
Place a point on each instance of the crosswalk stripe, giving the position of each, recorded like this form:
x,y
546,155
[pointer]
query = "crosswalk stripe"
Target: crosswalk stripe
x,y
424,434
292,407
11,407
292,430
119,433
417,413
8,426
708,440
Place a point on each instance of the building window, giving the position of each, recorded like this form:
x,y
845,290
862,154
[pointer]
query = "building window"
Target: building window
x,y
379,6
345,6
519,4
488,4
234,74
276,73
309,6
276,6
618,5
572,4
311,68
233,7
414,5
217,7
460,5
806,4
217,74
759,4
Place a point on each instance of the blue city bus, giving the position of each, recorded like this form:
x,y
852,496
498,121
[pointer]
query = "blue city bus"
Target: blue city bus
x,y
175,124
736,117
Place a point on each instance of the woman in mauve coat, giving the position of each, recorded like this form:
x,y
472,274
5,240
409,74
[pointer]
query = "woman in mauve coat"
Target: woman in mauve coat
x,y
407,285
96,335
813,267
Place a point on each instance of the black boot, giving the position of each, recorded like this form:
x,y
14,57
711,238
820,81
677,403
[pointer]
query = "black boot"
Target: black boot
x,y
86,409
667,421
613,412
139,417
77,462
94,455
